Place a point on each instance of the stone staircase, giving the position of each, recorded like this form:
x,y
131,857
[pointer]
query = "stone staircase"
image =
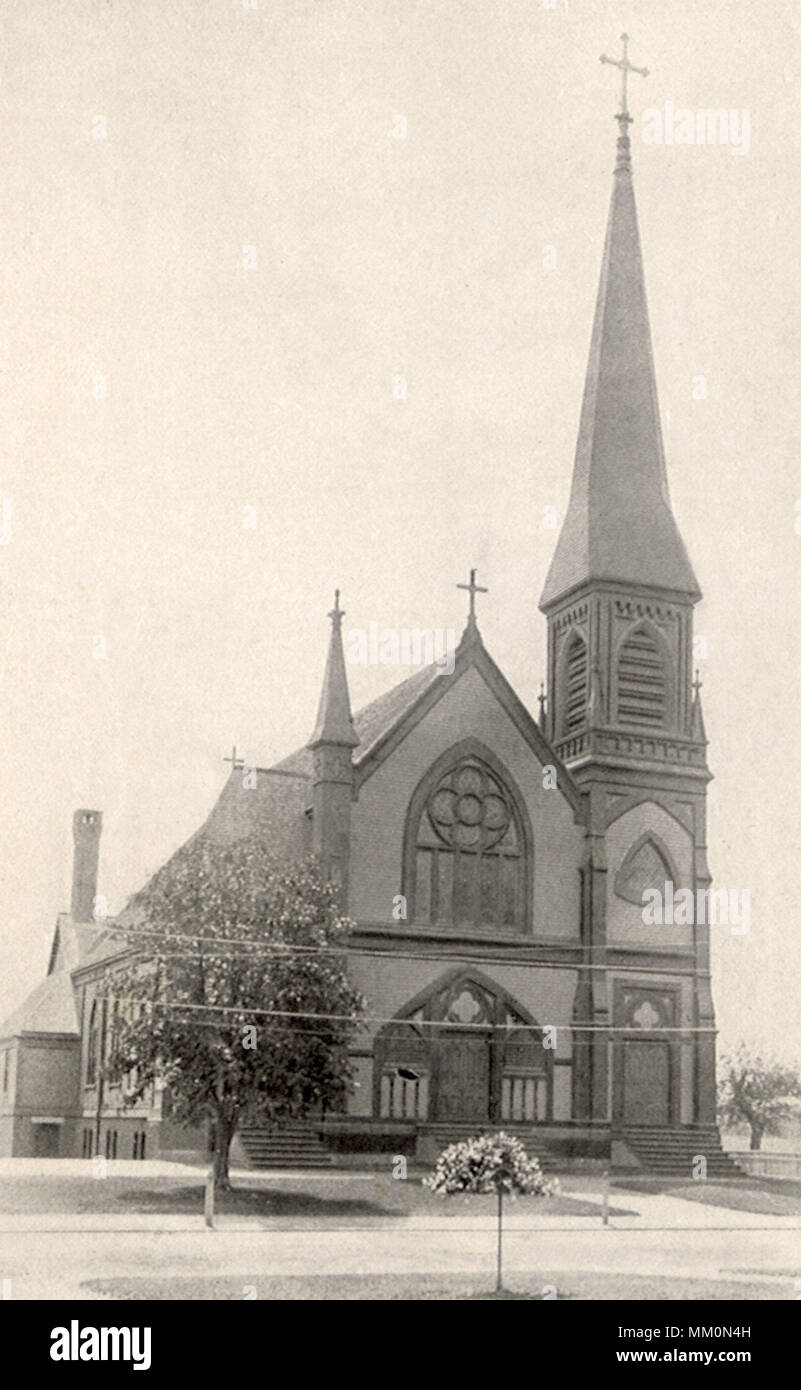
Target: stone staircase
x,y
670,1152
535,1146
292,1146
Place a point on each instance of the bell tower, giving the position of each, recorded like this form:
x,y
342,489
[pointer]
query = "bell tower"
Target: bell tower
x,y
623,711
620,591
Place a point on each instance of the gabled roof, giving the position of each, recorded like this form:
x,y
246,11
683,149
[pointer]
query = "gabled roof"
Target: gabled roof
x,y
412,700
275,805
382,724
72,942
50,1008
619,525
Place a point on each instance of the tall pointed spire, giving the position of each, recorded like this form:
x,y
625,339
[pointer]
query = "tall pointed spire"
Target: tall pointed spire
x,y
619,525
334,719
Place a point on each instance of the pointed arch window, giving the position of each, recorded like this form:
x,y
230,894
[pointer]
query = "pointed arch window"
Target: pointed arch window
x,y
642,682
469,850
574,694
93,1045
114,1031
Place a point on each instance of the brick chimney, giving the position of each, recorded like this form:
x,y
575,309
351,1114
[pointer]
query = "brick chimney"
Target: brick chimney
x,y
86,827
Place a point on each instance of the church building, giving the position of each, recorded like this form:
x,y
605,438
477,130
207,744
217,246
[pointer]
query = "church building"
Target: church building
x,y
494,862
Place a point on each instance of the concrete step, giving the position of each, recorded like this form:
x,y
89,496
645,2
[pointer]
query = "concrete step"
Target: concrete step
x,y
536,1147
291,1146
671,1151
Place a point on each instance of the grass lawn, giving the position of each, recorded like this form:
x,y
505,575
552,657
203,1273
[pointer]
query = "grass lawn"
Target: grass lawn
x,y
766,1195
331,1198
529,1285
325,1198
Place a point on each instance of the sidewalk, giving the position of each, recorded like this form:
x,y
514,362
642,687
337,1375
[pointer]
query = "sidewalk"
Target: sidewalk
x,y
161,1168
653,1213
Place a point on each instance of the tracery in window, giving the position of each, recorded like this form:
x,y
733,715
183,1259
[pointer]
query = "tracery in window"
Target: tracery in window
x,y
470,851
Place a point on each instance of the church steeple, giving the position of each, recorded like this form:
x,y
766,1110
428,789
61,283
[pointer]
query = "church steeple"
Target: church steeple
x,y
332,744
619,524
620,590
334,721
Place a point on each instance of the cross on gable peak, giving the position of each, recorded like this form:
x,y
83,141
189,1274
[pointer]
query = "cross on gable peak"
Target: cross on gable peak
x,y
233,759
472,588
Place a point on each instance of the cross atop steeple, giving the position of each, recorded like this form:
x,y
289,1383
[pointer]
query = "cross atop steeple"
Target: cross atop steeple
x,y
337,614
472,588
619,525
334,722
625,67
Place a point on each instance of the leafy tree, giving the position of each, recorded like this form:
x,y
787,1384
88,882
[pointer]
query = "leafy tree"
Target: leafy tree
x,y
490,1163
757,1093
226,995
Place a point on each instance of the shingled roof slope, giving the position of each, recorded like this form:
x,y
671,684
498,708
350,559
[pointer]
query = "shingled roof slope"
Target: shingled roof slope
x,y
273,809
373,721
50,1008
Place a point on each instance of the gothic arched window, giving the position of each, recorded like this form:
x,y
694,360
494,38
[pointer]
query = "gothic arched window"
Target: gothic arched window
x,y
93,1043
642,680
114,1030
469,850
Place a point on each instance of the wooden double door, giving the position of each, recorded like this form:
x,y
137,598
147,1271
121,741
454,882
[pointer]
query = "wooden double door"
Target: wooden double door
x,y
463,1080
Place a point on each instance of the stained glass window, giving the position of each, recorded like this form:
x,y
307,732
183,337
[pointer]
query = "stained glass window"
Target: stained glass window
x,y
469,860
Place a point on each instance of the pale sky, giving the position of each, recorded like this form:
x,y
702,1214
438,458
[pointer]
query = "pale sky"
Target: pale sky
x,y
158,383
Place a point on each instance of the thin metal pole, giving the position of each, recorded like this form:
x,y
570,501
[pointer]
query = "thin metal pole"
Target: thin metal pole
x,y
208,1200
498,1284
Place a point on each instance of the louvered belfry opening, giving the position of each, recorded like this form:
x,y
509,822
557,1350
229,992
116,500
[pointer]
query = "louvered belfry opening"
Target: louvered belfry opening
x,y
575,705
641,681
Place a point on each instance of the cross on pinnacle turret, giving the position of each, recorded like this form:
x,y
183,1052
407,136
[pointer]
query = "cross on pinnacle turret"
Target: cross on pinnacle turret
x,y
472,588
625,67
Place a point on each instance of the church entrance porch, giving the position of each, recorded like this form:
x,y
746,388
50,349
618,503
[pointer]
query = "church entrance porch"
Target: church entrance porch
x,y
463,1052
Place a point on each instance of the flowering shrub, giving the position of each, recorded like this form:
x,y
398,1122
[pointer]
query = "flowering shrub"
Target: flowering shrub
x,y
489,1163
